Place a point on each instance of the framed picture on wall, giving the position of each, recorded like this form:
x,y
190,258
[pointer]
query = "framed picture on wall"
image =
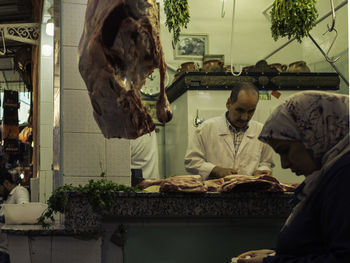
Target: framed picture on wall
x,y
191,46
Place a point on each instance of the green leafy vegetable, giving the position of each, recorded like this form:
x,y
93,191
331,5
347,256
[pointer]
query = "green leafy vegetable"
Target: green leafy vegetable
x,y
177,16
293,18
101,196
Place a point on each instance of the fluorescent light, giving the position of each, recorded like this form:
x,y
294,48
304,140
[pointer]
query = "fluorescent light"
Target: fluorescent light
x,y
50,27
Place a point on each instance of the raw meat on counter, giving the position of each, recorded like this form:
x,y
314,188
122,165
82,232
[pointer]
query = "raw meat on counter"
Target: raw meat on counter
x,y
147,183
119,48
244,183
231,183
183,183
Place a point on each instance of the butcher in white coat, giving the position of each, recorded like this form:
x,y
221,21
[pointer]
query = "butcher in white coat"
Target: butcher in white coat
x,y
229,144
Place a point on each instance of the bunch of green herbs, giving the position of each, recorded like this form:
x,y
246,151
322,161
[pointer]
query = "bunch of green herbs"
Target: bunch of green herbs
x,y
293,18
100,194
177,16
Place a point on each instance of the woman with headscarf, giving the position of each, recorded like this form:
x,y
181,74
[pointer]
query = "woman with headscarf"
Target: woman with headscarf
x,y
310,132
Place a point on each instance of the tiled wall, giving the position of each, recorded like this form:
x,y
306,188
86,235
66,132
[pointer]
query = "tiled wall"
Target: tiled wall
x,y
85,152
46,121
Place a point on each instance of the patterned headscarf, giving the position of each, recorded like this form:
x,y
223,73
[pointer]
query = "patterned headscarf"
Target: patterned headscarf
x,y
319,120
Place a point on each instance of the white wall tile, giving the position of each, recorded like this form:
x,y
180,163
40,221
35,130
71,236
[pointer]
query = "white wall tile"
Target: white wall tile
x,y
46,157
34,189
46,113
83,154
46,138
71,78
118,157
48,184
45,185
72,23
77,112
46,68
42,186
46,90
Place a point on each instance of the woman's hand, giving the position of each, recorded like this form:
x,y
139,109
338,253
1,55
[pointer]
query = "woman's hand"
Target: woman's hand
x,y
255,256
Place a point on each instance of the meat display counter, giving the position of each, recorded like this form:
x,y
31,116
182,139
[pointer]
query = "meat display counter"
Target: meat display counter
x,y
162,227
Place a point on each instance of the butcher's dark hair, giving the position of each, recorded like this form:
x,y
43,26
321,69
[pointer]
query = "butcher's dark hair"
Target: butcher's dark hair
x,y
242,86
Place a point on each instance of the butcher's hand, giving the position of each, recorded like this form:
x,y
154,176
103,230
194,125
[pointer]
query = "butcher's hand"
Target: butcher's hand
x,y
255,256
262,172
219,172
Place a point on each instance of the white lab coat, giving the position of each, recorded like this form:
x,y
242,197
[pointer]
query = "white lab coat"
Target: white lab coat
x,y
212,145
144,155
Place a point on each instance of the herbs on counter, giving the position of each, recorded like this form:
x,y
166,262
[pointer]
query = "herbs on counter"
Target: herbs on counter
x,y
101,196
293,18
177,16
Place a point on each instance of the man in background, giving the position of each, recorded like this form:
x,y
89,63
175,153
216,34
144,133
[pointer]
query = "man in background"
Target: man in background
x,y
144,158
229,144
11,193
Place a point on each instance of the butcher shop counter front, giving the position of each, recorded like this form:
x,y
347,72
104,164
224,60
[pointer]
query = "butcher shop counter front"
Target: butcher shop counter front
x,y
160,227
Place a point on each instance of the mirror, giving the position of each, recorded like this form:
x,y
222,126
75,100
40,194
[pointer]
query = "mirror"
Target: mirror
x,y
251,42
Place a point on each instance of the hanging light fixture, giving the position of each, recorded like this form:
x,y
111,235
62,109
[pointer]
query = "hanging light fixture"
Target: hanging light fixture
x,y
50,26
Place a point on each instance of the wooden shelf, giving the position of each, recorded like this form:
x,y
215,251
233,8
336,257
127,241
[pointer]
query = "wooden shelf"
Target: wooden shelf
x,y
264,81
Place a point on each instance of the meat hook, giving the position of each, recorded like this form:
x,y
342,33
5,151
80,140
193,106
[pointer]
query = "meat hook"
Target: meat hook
x,y
329,49
223,9
330,29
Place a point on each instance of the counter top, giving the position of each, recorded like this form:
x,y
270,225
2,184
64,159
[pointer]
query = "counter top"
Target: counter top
x,y
165,206
80,218
57,229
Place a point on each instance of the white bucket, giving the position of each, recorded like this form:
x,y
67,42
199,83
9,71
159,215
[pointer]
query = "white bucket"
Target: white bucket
x,y
20,214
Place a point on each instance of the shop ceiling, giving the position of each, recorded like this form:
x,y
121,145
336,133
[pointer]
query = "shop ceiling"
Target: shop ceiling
x,y
12,12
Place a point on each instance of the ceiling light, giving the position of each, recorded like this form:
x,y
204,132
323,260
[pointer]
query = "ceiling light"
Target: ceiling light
x,y
50,27
46,50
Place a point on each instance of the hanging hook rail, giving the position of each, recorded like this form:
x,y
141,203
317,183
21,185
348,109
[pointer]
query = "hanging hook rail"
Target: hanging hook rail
x,y
223,9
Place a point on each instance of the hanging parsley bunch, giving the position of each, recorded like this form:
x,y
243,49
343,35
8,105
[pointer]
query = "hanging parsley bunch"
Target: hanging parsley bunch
x,y
177,16
293,18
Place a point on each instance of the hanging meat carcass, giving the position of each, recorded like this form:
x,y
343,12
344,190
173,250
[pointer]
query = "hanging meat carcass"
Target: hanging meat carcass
x,y
119,48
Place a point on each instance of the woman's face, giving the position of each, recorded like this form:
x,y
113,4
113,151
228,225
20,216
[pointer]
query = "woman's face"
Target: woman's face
x,y
295,156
